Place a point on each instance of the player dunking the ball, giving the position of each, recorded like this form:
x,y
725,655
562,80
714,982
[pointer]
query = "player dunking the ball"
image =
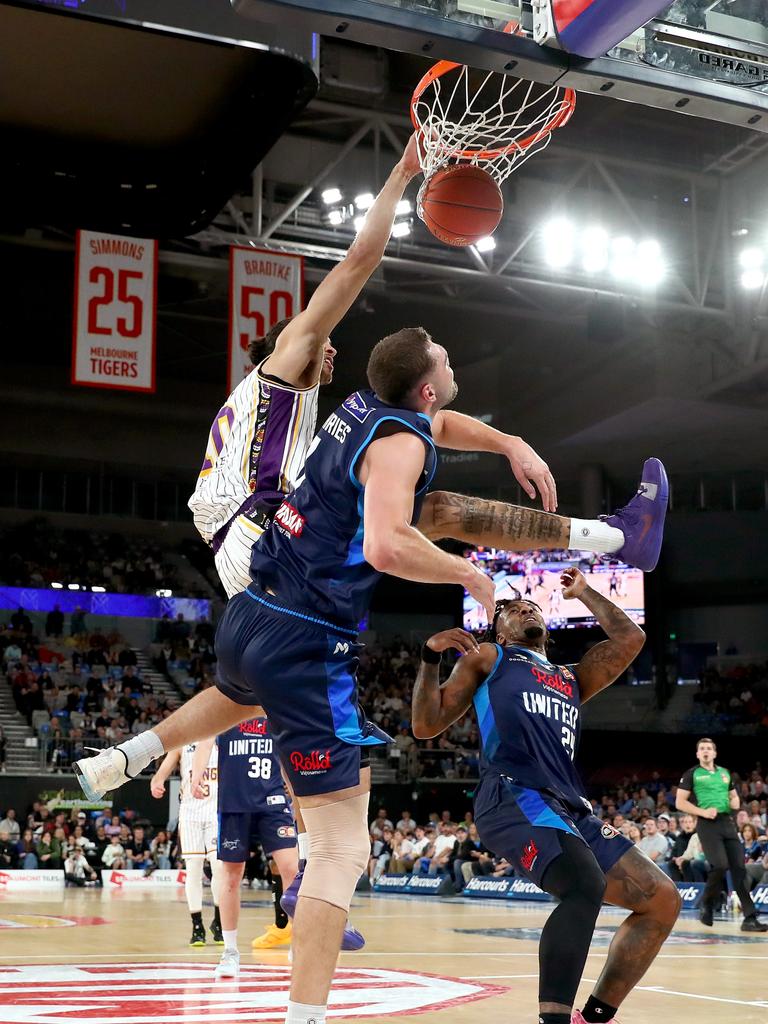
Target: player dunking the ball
x,y
530,807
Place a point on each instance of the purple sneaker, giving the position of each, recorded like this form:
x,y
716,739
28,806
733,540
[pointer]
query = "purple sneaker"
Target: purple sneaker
x,y
350,940
642,520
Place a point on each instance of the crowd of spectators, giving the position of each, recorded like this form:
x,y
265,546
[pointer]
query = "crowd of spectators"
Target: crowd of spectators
x,y
81,843
731,699
36,554
185,652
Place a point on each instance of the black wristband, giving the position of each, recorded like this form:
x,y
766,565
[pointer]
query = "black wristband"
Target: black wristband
x,y
429,656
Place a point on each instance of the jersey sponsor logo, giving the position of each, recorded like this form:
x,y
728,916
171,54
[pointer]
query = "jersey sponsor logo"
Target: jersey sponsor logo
x,y
356,406
254,727
552,682
290,519
529,855
286,832
342,647
174,993
337,427
275,799
316,762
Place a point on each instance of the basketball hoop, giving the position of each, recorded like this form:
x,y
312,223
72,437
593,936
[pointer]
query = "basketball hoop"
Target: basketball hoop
x,y
496,125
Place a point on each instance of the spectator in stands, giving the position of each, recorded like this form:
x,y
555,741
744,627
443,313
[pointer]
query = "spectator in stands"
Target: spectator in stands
x,y
180,630
445,848
20,621
54,622
160,849
138,851
9,854
77,870
381,853
406,823
379,823
10,825
100,842
77,625
113,856
473,857
403,853
27,848
653,844
113,828
422,845
48,852
755,855
634,835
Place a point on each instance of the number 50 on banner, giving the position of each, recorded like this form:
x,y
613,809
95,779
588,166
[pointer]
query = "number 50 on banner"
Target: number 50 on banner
x,y
114,324
264,288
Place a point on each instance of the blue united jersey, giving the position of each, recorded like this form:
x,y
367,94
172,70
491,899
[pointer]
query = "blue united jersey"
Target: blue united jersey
x,y
249,769
312,555
528,711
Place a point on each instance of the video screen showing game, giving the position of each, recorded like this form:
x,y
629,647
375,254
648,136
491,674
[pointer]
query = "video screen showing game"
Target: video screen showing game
x,y
536,575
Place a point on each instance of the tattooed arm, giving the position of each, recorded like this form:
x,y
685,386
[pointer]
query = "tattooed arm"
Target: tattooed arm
x,y
491,523
604,662
435,707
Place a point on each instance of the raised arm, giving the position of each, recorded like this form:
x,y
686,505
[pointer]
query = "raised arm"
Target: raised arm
x,y
604,662
163,773
390,470
466,434
298,355
435,707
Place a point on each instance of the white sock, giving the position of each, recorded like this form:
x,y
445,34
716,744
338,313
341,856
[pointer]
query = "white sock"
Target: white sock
x,y
592,535
140,750
303,1013
303,845
230,939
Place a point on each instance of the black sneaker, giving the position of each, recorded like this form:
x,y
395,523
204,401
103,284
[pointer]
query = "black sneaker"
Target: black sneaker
x,y
751,924
215,929
198,935
706,917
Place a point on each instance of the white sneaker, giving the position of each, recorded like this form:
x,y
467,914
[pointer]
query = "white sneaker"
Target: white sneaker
x,y
98,775
229,965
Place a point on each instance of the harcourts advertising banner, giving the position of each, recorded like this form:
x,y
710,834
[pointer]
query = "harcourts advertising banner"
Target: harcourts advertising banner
x,y
760,896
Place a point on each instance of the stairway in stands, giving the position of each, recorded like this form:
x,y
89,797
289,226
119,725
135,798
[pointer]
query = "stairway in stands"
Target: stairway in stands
x,y
162,687
19,759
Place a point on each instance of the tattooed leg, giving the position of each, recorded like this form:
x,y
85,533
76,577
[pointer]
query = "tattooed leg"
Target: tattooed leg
x,y
637,884
492,523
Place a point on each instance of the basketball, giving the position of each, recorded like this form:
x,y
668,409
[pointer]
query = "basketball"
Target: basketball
x,y
462,204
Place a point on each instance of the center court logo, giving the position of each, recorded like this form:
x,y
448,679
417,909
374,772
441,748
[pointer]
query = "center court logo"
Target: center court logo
x,y
177,993
314,763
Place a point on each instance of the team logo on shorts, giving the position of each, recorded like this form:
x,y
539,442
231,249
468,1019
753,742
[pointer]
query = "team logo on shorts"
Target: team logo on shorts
x,y
176,993
608,831
529,855
315,763
230,844
286,832
276,798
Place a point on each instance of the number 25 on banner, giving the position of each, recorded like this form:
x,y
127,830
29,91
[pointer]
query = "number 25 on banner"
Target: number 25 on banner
x,y
265,288
114,328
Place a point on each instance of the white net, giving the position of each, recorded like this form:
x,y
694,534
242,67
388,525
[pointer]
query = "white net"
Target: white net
x,y
496,122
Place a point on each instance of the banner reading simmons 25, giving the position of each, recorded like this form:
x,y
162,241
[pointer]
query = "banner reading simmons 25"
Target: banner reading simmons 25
x,y
264,288
113,344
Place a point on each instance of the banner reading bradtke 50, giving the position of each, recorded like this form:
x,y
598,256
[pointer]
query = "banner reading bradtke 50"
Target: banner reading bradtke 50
x,y
264,288
115,312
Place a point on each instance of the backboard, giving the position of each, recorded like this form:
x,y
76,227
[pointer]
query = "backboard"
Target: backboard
x,y
708,58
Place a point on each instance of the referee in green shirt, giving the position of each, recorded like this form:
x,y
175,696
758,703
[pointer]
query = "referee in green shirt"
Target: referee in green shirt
x,y
706,792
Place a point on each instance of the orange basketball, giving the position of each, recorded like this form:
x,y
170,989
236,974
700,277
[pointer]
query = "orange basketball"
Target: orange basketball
x,y
462,204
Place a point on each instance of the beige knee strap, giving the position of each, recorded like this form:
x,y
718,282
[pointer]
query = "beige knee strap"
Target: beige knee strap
x,y
339,847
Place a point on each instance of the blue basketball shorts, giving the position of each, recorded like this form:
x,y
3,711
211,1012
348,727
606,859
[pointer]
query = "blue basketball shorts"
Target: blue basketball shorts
x,y
523,826
240,832
302,671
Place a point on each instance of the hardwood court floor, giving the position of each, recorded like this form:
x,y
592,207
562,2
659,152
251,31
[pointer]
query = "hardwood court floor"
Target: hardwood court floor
x,y
482,952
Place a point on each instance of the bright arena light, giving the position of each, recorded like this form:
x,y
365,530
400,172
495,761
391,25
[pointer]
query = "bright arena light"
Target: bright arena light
x,y
99,590
163,593
753,278
364,201
335,217
751,258
623,257
401,229
57,586
358,222
649,266
594,250
402,208
73,586
558,238
487,244
331,196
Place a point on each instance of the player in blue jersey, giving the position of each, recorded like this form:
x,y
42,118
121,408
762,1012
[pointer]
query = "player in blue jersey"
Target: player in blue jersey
x,y
530,806
253,809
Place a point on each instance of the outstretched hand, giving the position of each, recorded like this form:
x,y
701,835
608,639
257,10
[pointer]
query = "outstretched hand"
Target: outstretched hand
x,y
410,158
574,583
456,639
532,473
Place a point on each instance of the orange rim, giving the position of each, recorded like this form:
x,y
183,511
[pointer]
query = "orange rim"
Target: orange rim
x,y
442,67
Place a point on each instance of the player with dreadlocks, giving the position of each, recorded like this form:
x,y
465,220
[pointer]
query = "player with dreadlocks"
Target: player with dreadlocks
x,y
530,806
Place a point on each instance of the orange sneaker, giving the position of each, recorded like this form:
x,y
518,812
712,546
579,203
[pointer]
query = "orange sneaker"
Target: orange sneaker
x,y
273,937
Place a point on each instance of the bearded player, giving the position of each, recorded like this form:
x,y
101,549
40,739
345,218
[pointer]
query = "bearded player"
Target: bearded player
x,y
531,807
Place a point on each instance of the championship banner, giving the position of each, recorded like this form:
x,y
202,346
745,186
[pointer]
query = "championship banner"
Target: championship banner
x,y
113,343
264,288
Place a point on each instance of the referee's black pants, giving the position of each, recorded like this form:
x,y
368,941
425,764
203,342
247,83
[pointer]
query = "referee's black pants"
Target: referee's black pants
x,y
721,846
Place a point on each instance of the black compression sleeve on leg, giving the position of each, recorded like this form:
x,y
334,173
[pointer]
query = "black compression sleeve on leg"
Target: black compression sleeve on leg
x,y
576,880
276,885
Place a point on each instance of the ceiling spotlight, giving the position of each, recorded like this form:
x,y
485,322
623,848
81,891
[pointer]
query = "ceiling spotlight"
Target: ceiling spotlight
x,y
364,201
401,229
752,257
57,586
73,586
358,223
335,217
649,267
163,593
557,236
487,244
331,196
623,257
753,278
594,250
99,590
402,208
